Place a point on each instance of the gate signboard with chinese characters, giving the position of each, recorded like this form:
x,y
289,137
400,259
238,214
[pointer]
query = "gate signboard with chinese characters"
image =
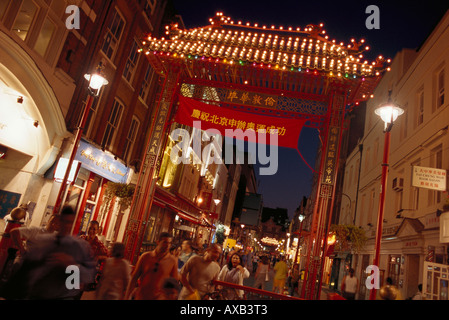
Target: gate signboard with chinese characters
x,y
293,76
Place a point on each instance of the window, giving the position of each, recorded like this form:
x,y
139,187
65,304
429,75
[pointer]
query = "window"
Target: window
x,y
367,158
440,88
420,108
25,18
398,200
145,89
88,126
415,191
44,38
3,6
112,124
404,123
113,35
131,137
131,62
371,206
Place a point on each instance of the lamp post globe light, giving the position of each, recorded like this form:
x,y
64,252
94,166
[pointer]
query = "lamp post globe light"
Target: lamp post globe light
x,y
96,82
388,112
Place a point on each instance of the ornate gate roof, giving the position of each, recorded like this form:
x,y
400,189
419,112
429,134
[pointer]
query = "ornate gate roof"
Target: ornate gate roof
x,y
297,61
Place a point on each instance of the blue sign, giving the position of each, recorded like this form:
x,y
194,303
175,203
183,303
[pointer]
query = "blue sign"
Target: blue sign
x,y
101,163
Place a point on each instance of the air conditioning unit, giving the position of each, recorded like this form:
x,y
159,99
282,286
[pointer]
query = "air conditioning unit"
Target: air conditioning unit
x,y
398,184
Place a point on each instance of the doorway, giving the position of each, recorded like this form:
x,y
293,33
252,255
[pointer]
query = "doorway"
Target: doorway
x,y
412,275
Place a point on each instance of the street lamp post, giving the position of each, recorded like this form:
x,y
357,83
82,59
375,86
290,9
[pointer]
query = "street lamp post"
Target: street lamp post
x,y
388,113
96,81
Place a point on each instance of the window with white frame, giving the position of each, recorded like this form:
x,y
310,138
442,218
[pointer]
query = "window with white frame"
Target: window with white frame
x,y
113,34
112,124
146,84
131,137
420,107
24,19
131,62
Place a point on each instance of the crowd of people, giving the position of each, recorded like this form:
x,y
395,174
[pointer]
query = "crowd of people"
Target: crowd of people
x,y
170,271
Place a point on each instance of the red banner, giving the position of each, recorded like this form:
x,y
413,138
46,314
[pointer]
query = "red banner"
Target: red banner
x,y
227,121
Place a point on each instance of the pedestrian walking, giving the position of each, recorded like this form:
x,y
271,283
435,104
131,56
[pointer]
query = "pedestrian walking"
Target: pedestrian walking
x,y
198,272
152,269
24,237
294,279
261,276
280,275
349,285
233,272
418,295
100,253
116,275
43,271
186,253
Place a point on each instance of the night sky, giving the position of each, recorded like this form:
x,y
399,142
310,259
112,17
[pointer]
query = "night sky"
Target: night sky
x,y
403,24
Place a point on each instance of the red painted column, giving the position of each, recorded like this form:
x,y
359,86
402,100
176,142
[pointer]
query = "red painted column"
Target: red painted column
x,y
380,216
146,184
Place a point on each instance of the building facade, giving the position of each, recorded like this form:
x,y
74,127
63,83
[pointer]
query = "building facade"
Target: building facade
x,y
418,82
49,45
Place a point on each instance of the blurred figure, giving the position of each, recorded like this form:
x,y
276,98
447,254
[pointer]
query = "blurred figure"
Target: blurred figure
x,y
233,272
280,276
261,275
418,295
186,253
116,275
99,250
170,289
295,275
152,269
349,285
24,237
198,272
43,272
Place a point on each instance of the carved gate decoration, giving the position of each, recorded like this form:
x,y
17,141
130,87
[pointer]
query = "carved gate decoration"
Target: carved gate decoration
x,y
273,71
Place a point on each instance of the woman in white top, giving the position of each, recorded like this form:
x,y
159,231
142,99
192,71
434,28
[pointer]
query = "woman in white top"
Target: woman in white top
x,y
349,285
233,272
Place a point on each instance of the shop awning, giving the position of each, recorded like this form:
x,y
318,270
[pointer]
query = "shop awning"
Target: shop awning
x,y
185,216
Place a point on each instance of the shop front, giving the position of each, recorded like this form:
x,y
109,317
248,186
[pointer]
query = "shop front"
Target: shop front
x,y
176,215
32,130
87,193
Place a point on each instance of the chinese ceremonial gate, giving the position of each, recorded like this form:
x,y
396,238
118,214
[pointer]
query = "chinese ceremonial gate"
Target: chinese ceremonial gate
x,y
286,73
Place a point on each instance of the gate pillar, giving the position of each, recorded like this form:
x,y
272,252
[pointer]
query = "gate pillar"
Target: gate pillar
x,y
146,183
324,200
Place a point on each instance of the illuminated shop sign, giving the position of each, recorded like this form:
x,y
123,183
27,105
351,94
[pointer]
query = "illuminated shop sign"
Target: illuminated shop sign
x,y
101,163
